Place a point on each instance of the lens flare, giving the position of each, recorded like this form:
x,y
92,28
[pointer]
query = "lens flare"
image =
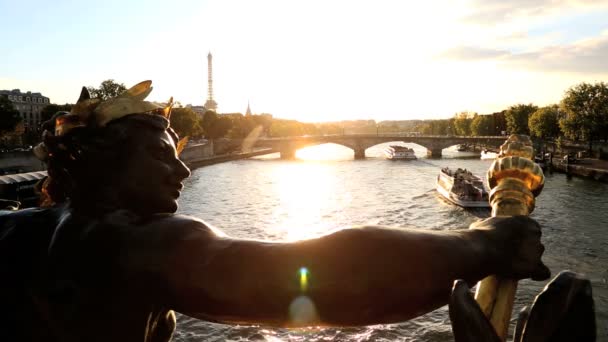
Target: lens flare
x,y
303,279
303,312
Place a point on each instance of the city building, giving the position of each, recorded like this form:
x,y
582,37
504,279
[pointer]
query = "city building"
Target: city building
x,y
197,109
29,106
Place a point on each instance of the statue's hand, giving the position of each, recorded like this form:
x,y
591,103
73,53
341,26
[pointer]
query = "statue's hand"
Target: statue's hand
x,y
514,244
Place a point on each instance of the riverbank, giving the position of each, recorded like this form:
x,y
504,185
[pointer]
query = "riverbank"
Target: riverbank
x,y
585,167
206,161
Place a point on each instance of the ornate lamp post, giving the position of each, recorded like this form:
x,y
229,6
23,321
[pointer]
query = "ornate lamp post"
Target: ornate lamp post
x,y
515,181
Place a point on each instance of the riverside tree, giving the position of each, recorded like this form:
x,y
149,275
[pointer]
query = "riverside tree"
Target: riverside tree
x,y
434,127
107,89
9,116
482,125
287,128
517,118
585,108
544,122
186,122
462,123
241,125
215,126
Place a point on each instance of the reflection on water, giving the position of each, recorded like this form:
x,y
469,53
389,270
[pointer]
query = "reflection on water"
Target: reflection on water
x,y
325,189
302,191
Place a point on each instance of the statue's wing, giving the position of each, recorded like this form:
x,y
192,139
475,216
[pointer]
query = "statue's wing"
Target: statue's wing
x,y
563,311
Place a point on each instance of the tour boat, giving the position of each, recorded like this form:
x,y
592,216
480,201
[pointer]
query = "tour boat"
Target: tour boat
x,y
21,187
462,148
397,152
485,154
463,188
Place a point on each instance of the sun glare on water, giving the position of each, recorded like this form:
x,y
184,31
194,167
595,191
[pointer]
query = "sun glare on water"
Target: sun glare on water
x,y
307,191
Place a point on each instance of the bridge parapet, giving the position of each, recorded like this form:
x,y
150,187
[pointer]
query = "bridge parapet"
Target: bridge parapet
x,y
360,142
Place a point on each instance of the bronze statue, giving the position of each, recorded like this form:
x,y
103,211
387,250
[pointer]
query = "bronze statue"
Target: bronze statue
x,y
108,260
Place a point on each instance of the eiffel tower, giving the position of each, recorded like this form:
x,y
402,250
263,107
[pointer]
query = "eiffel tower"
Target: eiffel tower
x,y
210,104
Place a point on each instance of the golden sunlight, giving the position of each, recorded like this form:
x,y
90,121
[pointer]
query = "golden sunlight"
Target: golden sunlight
x,y
305,190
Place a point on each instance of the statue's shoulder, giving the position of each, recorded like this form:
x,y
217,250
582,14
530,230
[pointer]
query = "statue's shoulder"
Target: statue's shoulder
x,y
30,219
183,226
159,226
26,231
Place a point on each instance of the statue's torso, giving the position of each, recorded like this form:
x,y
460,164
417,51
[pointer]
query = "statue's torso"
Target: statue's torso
x,y
67,282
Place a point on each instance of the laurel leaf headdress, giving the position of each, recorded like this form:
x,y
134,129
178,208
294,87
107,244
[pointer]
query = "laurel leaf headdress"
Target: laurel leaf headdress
x,y
97,112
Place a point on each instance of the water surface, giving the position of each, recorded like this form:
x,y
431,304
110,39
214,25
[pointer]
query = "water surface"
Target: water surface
x,y
326,189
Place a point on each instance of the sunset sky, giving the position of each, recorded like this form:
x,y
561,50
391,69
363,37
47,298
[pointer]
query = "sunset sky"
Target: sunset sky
x,y
312,60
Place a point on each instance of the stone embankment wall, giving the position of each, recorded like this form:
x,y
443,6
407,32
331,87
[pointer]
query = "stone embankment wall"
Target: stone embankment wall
x,y
19,162
584,168
195,152
599,148
197,155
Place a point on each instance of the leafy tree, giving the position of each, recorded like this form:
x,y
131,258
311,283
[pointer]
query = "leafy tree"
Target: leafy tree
x,y
586,112
441,127
50,110
241,126
186,122
208,119
544,123
264,120
434,127
9,116
500,123
482,125
517,118
215,126
427,128
286,128
462,123
220,127
450,130
107,89
329,128
311,128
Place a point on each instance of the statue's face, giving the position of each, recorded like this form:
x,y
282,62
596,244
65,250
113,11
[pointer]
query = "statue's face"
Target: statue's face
x,y
154,174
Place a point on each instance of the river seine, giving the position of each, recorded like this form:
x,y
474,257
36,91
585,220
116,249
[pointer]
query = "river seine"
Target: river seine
x,y
325,188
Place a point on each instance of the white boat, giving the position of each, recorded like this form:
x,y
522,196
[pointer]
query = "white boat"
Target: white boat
x,y
397,152
462,188
485,155
462,148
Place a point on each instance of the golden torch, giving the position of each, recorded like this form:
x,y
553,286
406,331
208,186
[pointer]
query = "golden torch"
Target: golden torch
x,y
515,180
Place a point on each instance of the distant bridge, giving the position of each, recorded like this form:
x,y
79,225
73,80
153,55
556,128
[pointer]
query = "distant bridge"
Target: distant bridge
x,y
288,146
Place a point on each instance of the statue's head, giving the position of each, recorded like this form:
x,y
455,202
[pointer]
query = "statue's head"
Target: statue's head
x,y
116,154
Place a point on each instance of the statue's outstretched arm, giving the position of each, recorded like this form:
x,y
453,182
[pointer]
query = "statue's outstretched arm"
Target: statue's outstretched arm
x,y
354,276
